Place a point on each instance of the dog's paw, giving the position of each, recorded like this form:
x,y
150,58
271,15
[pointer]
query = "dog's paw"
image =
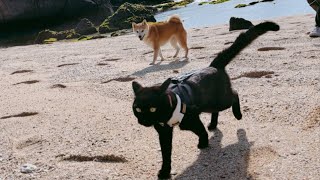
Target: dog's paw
x,y
164,174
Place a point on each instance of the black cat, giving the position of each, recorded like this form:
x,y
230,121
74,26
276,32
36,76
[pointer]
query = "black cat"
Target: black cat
x,y
180,101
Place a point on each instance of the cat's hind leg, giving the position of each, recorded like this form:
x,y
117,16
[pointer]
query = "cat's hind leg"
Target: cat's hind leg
x,y
214,121
236,106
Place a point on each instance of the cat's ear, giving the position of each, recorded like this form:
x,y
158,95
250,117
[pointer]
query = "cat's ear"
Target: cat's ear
x,y
164,86
136,87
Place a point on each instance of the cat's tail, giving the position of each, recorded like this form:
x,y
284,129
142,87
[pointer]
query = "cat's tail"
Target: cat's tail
x,y
243,40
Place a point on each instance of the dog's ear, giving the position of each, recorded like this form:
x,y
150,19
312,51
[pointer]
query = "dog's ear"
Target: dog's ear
x,y
136,87
144,22
133,25
164,86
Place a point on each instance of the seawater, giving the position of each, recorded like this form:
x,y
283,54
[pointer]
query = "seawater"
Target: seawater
x,y
195,16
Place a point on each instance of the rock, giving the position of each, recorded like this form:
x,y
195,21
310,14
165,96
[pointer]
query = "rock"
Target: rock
x,y
85,27
17,10
172,5
114,34
239,23
125,15
48,34
240,6
43,35
28,168
145,2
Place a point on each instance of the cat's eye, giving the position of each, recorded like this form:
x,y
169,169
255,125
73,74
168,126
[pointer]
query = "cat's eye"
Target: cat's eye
x,y
153,109
142,30
138,110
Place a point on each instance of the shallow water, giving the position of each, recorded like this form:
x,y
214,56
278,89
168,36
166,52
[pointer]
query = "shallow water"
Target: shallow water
x,y
212,14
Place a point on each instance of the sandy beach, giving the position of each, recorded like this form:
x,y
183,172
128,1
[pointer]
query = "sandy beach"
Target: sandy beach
x,y
75,100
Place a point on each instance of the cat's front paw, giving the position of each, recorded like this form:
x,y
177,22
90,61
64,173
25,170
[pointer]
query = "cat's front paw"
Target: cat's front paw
x,y
203,143
164,174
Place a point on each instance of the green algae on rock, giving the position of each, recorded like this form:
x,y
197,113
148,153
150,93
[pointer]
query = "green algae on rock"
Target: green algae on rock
x,y
125,15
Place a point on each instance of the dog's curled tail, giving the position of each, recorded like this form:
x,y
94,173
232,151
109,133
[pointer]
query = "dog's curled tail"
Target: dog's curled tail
x,y
174,19
242,41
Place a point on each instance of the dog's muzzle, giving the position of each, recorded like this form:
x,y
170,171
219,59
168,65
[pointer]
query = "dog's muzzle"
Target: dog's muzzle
x,y
141,37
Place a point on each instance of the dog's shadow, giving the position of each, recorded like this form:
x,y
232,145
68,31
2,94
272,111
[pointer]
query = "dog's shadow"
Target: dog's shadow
x,y
177,64
217,162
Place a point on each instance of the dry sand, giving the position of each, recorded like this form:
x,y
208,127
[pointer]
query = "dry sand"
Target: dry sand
x,y
86,130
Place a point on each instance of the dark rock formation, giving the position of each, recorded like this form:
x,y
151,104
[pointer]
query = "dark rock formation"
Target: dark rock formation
x,y
125,15
47,34
85,27
239,23
145,2
23,13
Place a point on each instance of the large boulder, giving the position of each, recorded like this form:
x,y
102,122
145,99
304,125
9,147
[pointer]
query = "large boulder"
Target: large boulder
x,y
125,15
85,27
15,12
239,23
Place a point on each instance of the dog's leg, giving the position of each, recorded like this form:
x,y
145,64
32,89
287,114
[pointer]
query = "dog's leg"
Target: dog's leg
x,y
155,53
165,137
160,53
195,125
236,105
214,121
182,40
174,44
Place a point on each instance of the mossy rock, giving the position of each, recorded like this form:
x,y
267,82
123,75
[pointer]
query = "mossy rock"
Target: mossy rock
x,y
85,27
125,15
173,5
203,3
68,34
45,34
50,40
213,2
48,34
240,6
218,1
84,38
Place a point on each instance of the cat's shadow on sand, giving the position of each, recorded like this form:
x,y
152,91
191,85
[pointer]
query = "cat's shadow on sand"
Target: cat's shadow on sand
x,y
217,162
162,65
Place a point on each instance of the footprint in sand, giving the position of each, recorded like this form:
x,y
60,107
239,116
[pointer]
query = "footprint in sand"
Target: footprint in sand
x,y
313,119
149,52
69,64
27,82
128,48
21,71
23,114
271,48
259,158
105,158
255,74
197,47
112,59
229,42
28,142
120,79
58,86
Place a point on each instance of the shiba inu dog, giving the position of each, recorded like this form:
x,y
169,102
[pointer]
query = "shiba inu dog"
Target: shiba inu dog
x,y
180,101
159,33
